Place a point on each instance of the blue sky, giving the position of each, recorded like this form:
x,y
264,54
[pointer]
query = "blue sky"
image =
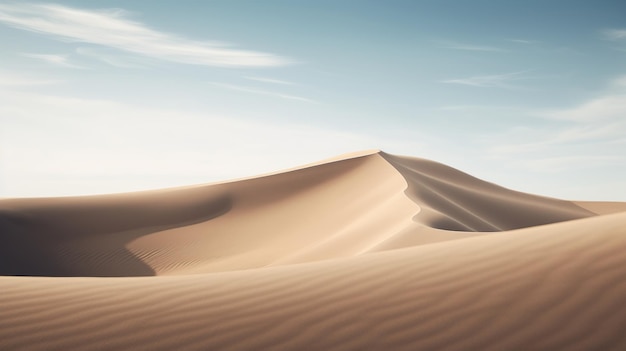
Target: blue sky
x,y
111,96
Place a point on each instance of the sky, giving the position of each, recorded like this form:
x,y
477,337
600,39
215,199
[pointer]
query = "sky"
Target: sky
x,y
115,96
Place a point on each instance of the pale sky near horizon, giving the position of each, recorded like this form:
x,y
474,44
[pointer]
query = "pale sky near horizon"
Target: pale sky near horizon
x,y
113,96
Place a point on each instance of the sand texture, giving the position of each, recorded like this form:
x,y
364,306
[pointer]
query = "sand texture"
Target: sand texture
x,y
367,251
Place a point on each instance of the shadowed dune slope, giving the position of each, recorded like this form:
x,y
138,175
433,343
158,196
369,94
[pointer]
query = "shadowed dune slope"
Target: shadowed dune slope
x,y
355,204
453,200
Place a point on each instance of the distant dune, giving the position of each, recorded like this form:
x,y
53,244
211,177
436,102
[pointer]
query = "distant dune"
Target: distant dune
x,y
367,251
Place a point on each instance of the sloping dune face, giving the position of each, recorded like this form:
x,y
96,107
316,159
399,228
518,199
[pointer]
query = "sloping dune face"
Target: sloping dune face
x,y
453,200
368,251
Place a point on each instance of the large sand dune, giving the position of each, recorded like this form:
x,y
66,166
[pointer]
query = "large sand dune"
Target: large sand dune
x,y
367,251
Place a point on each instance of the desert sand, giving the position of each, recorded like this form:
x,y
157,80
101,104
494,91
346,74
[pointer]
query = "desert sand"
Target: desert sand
x,y
367,251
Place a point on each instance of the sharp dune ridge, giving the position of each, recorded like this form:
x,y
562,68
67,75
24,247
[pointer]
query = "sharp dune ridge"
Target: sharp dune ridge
x,y
366,251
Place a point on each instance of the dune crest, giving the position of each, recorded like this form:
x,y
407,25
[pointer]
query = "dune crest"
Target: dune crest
x,y
362,251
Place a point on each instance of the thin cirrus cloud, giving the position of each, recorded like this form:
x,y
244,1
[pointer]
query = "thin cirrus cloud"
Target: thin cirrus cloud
x,y
523,41
15,80
467,47
261,92
490,81
106,55
615,34
595,125
610,107
57,60
269,80
561,163
112,28
618,36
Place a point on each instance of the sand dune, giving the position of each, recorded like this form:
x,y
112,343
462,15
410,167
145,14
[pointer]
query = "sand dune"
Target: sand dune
x,y
367,251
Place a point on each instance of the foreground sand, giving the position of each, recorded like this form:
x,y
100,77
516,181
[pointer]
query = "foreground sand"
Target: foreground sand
x,y
368,251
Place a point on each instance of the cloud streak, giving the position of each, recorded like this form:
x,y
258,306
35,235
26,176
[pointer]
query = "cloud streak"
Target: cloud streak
x,y
467,47
561,163
523,41
261,92
615,34
112,28
490,81
610,107
57,60
113,58
590,134
269,80
15,80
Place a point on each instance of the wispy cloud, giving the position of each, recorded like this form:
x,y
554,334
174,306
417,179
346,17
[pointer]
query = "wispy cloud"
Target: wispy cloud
x,y
615,34
113,28
523,41
618,37
490,81
609,107
620,82
58,60
261,92
465,108
269,80
16,80
590,133
113,57
467,47
561,163
589,136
